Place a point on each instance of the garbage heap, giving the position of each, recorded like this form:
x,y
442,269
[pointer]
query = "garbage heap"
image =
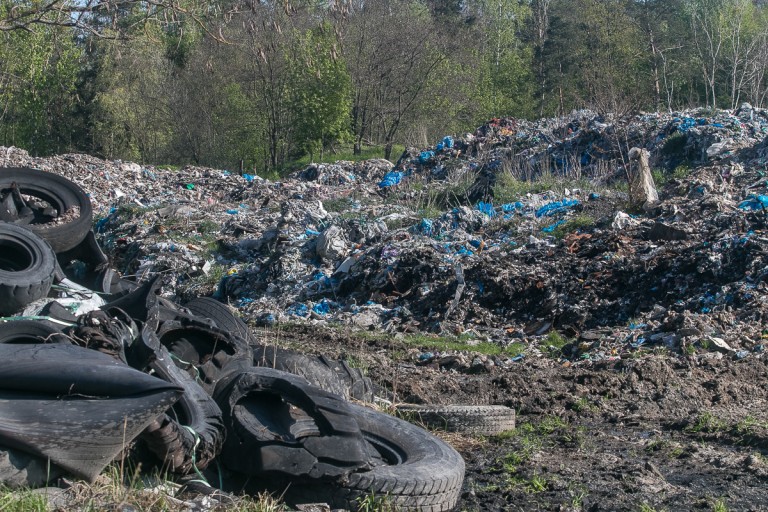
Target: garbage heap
x,y
505,235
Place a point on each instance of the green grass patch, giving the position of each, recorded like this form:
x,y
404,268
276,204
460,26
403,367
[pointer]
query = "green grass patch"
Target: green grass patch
x,y
461,343
706,423
580,222
342,152
21,501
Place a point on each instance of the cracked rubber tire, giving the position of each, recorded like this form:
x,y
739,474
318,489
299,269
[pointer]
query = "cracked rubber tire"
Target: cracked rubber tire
x,y
485,420
73,210
31,331
210,308
27,268
418,470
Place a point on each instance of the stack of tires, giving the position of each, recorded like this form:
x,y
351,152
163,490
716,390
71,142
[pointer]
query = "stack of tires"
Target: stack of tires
x,y
41,214
268,416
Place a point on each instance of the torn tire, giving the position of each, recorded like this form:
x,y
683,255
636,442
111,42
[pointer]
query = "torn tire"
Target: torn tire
x,y
415,470
189,435
487,420
27,268
280,426
50,205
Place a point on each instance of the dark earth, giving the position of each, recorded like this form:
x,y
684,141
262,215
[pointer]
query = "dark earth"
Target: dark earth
x,y
649,432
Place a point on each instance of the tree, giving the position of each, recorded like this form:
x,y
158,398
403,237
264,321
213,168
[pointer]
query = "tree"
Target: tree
x,y
392,49
320,90
38,77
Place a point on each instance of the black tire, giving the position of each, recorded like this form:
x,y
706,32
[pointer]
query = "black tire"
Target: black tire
x,y
208,307
207,353
27,268
191,434
420,471
30,331
487,420
281,426
71,205
329,375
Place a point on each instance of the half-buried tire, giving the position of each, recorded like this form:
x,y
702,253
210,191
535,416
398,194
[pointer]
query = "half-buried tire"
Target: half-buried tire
x,y
27,268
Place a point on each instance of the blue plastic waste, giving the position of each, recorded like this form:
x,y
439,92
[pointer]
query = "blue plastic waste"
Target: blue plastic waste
x,y
552,227
391,179
486,208
322,308
425,228
248,177
556,207
754,203
426,156
298,309
510,207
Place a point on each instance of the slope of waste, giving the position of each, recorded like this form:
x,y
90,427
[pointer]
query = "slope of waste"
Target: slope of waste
x,y
504,235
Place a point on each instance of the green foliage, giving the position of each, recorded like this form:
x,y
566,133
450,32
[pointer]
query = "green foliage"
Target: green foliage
x,y
320,92
706,422
39,72
21,501
580,222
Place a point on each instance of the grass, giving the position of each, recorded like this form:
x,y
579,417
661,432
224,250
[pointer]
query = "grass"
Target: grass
x,y
580,222
123,488
21,501
344,152
553,344
706,423
460,343
374,503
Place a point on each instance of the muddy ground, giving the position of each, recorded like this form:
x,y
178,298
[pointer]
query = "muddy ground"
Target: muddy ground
x,y
654,431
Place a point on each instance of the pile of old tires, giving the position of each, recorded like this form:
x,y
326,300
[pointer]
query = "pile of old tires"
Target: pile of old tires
x,y
188,390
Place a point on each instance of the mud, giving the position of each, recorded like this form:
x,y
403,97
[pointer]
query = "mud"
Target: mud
x,y
649,432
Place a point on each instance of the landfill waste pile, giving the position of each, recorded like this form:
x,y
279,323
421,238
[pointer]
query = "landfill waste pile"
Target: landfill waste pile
x,y
514,266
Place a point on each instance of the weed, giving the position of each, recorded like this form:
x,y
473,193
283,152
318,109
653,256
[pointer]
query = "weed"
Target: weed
x,y
719,505
582,404
579,222
645,507
337,205
21,501
706,423
675,144
537,484
373,503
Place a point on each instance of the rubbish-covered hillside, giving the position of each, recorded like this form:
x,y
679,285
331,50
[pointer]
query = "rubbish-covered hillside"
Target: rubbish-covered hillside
x,y
501,235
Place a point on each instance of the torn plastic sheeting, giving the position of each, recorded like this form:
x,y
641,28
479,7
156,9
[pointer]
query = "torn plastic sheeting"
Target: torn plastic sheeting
x,y
754,203
324,307
426,227
391,179
556,207
446,143
298,309
552,227
486,209
426,156
511,207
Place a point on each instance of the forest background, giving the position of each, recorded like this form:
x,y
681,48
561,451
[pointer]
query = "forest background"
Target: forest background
x,y
260,85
